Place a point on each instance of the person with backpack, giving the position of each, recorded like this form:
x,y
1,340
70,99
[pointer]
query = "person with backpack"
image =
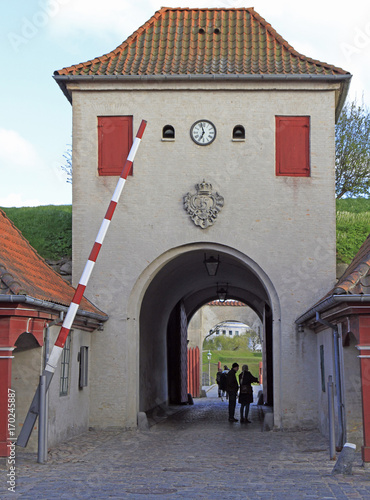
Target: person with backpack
x,y
246,392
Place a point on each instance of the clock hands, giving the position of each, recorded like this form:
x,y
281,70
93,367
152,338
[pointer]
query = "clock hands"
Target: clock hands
x,y
203,132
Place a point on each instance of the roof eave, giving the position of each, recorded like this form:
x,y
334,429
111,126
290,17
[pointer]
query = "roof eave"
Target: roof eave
x,y
328,302
342,97
63,88
44,304
63,80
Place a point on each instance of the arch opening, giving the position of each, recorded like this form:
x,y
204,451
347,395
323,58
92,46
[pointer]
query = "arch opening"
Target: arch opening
x,y
26,341
168,132
176,288
238,132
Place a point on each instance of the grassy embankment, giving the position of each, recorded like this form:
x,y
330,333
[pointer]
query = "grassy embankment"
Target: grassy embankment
x,y
47,228
353,227
240,356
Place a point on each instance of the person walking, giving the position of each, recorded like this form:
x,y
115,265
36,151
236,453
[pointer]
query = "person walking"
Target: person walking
x,y
222,384
218,380
232,387
246,392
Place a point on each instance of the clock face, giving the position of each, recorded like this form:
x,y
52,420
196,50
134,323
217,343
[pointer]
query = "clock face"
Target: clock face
x,y
203,132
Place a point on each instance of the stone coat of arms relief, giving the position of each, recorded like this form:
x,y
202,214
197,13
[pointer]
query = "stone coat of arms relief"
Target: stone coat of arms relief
x,y
203,206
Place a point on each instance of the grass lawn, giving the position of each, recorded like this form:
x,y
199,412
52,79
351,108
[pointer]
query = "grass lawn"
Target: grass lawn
x,y
242,357
47,228
353,226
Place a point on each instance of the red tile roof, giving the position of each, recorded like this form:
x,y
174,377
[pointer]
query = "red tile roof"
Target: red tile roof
x,y
183,41
24,272
232,303
356,279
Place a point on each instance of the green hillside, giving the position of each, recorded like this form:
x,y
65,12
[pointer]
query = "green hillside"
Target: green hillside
x,y
353,226
49,228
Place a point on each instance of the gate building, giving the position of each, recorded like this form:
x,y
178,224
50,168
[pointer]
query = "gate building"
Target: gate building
x,y
236,165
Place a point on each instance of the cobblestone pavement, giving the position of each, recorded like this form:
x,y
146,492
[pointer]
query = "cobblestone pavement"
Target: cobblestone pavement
x,y
194,453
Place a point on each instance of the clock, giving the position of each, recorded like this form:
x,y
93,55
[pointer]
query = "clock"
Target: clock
x,y
203,132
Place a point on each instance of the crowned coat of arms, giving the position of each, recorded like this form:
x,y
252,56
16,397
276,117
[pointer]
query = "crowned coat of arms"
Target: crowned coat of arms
x,y
204,206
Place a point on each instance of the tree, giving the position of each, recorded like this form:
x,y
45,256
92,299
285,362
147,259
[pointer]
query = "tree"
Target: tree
x,y
249,341
352,151
67,167
254,341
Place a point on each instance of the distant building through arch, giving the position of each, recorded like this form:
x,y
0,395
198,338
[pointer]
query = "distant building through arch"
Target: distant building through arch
x,y
227,313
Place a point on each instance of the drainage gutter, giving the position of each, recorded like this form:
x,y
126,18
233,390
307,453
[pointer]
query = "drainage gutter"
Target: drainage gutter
x,y
344,80
27,299
329,302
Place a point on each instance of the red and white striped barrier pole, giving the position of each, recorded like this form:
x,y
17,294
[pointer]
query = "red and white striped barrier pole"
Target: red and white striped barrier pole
x,y
72,310
56,352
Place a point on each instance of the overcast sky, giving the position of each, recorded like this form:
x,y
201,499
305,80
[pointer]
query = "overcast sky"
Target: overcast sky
x,y
40,36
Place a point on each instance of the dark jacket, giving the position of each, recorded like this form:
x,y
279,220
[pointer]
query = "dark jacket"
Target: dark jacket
x,y
246,379
223,381
231,382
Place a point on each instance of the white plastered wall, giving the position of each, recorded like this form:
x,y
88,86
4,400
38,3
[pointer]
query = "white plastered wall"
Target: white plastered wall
x,y
286,225
68,415
351,386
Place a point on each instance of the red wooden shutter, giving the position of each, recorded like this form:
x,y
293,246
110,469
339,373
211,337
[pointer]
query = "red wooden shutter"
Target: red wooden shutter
x,y
293,146
115,141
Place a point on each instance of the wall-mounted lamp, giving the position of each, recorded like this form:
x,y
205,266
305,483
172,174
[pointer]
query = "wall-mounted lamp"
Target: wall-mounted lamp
x,y
211,264
222,292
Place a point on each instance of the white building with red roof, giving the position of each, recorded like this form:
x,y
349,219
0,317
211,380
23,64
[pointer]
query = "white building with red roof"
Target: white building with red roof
x,y
33,300
236,169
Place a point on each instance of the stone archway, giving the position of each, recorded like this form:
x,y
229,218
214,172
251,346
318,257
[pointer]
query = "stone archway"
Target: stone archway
x,y
179,276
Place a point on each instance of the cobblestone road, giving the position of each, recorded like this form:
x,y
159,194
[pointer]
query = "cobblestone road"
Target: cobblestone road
x,y
195,453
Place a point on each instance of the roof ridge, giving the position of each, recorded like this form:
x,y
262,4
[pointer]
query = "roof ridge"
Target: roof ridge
x,y
21,235
146,52
287,45
206,8
30,247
